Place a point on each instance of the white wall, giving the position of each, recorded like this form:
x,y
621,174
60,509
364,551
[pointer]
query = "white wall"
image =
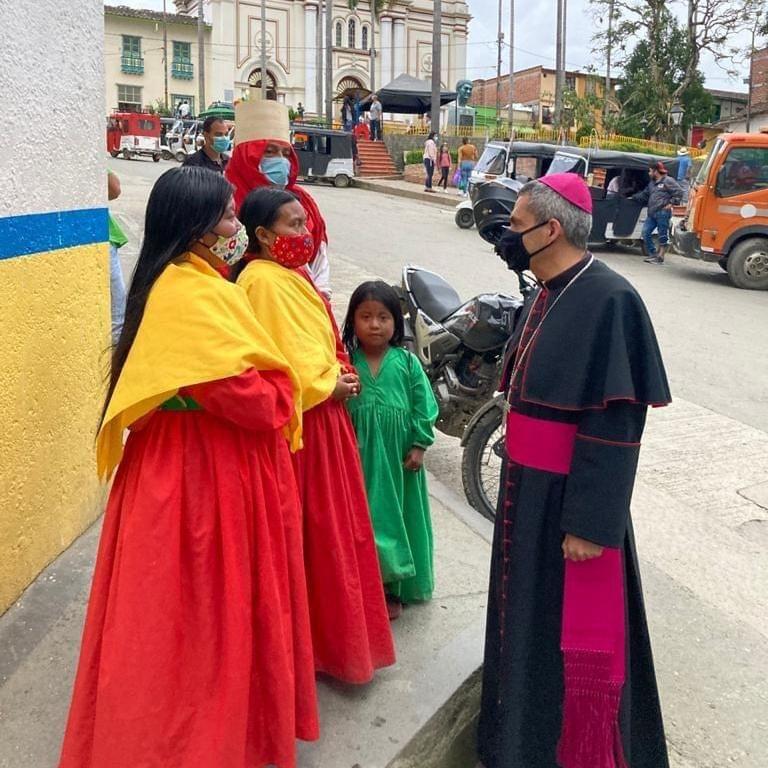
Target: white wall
x,y
52,84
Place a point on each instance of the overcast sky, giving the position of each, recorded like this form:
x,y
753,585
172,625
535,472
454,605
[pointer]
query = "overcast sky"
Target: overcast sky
x,y
534,38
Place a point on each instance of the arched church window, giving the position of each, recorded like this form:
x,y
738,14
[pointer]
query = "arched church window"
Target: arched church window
x,y
351,29
339,32
364,43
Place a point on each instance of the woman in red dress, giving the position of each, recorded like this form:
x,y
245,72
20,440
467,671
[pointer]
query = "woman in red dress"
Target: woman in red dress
x,y
350,626
197,647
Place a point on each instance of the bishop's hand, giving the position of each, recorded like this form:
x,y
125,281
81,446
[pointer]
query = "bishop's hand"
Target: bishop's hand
x,y
577,549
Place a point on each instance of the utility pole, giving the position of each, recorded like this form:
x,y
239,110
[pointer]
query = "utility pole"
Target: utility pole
x,y
499,43
373,46
319,34
201,55
437,42
165,55
559,62
609,51
263,50
751,80
329,62
511,66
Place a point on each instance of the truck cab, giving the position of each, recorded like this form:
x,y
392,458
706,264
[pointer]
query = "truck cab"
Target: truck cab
x,y
727,216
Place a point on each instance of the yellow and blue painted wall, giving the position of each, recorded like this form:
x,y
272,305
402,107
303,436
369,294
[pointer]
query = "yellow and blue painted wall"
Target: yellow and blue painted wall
x,y
54,284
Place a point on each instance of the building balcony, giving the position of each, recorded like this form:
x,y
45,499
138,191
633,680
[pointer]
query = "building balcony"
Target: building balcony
x,y
182,70
132,65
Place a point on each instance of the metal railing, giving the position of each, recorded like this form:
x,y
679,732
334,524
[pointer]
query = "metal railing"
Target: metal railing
x,y
182,69
632,144
132,65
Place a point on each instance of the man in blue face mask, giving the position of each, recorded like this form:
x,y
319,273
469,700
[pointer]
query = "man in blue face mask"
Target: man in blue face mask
x,y
264,156
216,143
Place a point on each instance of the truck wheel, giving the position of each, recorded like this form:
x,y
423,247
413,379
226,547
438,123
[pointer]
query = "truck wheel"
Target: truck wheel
x,y
465,218
748,264
166,154
180,156
114,152
481,463
341,180
156,158
127,154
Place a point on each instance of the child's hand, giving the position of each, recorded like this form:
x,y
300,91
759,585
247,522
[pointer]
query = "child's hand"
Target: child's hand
x,y
414,461
347,385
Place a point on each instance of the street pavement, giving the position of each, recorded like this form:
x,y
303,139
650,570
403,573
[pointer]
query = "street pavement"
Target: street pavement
x,y
701,501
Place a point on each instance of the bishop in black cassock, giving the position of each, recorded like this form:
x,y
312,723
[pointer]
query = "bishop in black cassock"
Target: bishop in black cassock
x,y
569,678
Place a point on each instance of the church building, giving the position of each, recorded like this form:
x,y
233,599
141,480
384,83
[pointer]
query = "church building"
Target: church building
x,y
400,33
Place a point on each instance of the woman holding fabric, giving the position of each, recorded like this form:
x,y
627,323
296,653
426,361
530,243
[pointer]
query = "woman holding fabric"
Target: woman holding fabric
x,y
350,627
197,646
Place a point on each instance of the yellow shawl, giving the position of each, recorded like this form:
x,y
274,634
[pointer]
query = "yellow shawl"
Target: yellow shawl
x,y
197,327
290,310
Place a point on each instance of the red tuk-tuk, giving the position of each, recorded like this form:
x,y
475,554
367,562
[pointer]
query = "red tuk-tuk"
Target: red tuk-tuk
x,y
133,133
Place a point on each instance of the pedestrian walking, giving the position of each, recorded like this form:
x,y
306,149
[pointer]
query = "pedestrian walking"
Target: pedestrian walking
x,y
430,158
197,646
350,627
660,195
467,159
212,155
376,116
264,157
117,240
444,161
394,417
568,678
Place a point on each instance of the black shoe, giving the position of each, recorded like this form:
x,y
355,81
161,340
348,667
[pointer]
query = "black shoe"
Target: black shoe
x,y
654,260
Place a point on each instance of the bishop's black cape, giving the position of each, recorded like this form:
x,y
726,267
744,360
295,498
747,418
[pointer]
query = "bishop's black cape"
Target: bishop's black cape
x,y
595,365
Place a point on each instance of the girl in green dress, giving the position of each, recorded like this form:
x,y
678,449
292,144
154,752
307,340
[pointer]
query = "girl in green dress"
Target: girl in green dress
x,y
394,416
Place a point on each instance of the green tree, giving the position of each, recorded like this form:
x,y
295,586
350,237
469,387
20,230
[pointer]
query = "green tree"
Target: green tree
x,y
647,92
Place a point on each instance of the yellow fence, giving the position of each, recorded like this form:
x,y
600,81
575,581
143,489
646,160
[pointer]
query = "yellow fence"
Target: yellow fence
x,y
617,141
546,135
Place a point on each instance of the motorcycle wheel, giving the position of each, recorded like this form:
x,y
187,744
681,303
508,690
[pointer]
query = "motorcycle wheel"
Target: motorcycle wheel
x,y
481,463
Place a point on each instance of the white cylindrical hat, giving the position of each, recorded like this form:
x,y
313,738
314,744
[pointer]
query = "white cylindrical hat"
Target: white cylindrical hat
x,y
256,119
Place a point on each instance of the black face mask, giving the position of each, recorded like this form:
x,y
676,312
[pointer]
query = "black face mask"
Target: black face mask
x,y
512,250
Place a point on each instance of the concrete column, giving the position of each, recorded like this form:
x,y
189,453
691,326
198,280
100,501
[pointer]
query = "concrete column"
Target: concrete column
x,y
310,64
386,51
400,57
459,60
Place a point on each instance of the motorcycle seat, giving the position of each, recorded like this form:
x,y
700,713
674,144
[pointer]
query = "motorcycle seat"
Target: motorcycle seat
x,y
433,295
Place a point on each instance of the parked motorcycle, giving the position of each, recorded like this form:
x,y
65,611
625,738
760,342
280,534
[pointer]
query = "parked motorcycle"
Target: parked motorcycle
x,y
461,346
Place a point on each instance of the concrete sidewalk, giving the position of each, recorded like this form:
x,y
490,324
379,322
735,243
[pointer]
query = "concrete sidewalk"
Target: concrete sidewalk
x,y
401,188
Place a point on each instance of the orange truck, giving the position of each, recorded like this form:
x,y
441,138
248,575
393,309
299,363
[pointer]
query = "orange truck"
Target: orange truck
x,y
727,216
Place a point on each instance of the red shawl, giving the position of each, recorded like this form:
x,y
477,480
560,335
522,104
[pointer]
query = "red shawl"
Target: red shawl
x,y
243,173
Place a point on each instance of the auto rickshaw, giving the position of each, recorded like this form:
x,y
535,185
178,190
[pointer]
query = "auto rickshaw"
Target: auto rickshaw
x,y
520,161
616,218
324,154
133,134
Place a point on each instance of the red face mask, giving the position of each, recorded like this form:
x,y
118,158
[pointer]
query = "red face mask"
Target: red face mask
x,y
293,251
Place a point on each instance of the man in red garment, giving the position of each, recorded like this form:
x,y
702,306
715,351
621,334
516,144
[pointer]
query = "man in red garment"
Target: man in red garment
x,y
263,156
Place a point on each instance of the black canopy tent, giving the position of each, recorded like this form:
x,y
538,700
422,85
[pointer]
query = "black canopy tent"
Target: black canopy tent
x,y
407,95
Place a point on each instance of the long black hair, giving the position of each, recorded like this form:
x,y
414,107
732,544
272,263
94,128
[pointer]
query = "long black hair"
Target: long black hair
x,y
374,290
261,208
184,205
